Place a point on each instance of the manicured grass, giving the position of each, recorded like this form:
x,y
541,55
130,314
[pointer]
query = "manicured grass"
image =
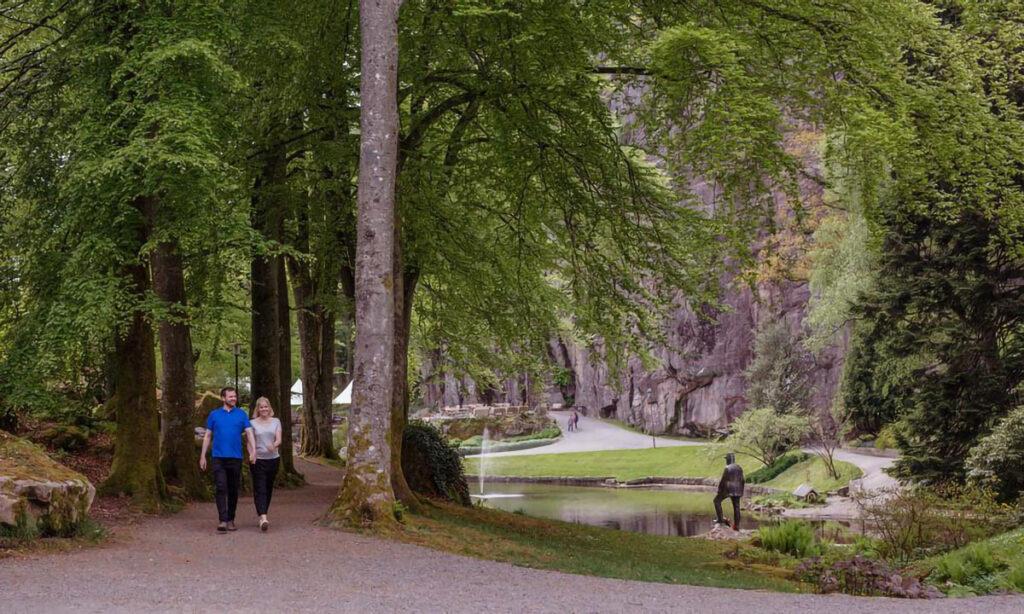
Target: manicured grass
x,y
688,461
547,544
680,461
812,471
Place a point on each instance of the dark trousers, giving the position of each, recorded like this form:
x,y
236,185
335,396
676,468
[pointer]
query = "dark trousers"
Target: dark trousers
x,y
263,473
735,509
227,473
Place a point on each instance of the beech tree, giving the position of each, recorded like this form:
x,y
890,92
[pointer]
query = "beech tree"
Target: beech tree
x,y
366,494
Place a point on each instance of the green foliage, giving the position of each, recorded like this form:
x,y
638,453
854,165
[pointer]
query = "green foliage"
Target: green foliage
x,y
997,461
790,537
772,471
970,565
887,437
875,380
918,522
990,566
779,375
431,466
945,305
766,435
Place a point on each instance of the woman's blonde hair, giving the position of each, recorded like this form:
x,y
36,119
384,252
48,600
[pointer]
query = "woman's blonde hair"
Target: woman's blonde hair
x,y
257,406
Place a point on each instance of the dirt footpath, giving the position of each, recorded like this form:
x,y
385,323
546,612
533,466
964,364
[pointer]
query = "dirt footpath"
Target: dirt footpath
x,y
178,563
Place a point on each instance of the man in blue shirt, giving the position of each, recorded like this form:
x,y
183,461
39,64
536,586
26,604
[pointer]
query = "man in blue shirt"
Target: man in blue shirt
x,y
225,426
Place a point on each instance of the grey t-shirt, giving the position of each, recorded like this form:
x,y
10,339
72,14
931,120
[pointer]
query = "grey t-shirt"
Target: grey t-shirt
x,y
266,433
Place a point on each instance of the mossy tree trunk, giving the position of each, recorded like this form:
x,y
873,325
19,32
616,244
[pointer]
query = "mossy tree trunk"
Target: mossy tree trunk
x,y
179,460
136,467
366,496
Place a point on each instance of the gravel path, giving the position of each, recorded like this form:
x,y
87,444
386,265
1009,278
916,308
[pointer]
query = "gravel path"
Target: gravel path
x,y
177,563
595,435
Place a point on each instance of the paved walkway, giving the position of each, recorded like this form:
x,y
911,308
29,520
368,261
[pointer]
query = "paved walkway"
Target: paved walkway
x,y
178,564
595,435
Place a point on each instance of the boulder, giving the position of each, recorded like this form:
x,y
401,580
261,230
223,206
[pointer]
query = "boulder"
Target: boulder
x,y
38,495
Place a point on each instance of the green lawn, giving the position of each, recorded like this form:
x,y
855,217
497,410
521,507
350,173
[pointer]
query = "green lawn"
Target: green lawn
x,y
581,549
812,471
680,461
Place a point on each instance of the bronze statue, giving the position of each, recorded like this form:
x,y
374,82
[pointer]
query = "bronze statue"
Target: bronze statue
x,y
731,486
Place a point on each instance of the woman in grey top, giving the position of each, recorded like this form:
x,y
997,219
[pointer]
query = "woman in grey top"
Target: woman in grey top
x,y
267,429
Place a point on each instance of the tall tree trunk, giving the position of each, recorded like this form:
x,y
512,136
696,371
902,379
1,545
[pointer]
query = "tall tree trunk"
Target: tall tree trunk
x,y
179,460
316,354
266,321
136,467
366,495
288,473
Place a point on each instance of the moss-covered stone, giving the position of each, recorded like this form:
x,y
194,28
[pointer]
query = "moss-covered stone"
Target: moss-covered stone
x,y
66,437
37,494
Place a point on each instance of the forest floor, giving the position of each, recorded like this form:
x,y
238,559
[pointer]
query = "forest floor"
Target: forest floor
x,y
178,563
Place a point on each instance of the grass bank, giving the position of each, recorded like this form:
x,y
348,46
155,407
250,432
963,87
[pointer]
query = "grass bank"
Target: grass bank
x,y
680,461
812,471
580,549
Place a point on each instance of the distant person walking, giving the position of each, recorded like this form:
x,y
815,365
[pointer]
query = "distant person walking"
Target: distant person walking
x,y
268,441
225,427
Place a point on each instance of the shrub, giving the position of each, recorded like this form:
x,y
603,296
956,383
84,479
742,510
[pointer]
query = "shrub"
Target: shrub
x,y
765,435
472,442
967,566
887,437
793,538
1013,579
431,466
865,546
997,461
770,472
916,522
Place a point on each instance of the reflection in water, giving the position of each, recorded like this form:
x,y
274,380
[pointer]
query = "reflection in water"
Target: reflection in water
x,y
655,511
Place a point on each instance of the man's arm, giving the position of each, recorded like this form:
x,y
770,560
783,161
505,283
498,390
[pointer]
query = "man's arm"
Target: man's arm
x,y
251,438
206,446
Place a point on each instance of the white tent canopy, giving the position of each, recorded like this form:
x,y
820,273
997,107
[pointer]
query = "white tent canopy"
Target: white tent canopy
x,y
345,398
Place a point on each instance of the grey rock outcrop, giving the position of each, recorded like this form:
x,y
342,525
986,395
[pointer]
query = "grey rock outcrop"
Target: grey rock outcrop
x,y
37,494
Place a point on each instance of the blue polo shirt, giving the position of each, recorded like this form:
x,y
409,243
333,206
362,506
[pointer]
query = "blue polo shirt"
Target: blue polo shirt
x,y
227,428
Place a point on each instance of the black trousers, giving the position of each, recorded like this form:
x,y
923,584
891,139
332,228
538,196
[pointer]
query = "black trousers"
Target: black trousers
x,y
735,509
263,473
227,473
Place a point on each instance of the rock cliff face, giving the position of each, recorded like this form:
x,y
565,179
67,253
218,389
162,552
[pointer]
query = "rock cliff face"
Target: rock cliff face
x,y
699,383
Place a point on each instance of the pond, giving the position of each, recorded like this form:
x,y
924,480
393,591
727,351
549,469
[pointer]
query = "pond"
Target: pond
x,y
659,511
